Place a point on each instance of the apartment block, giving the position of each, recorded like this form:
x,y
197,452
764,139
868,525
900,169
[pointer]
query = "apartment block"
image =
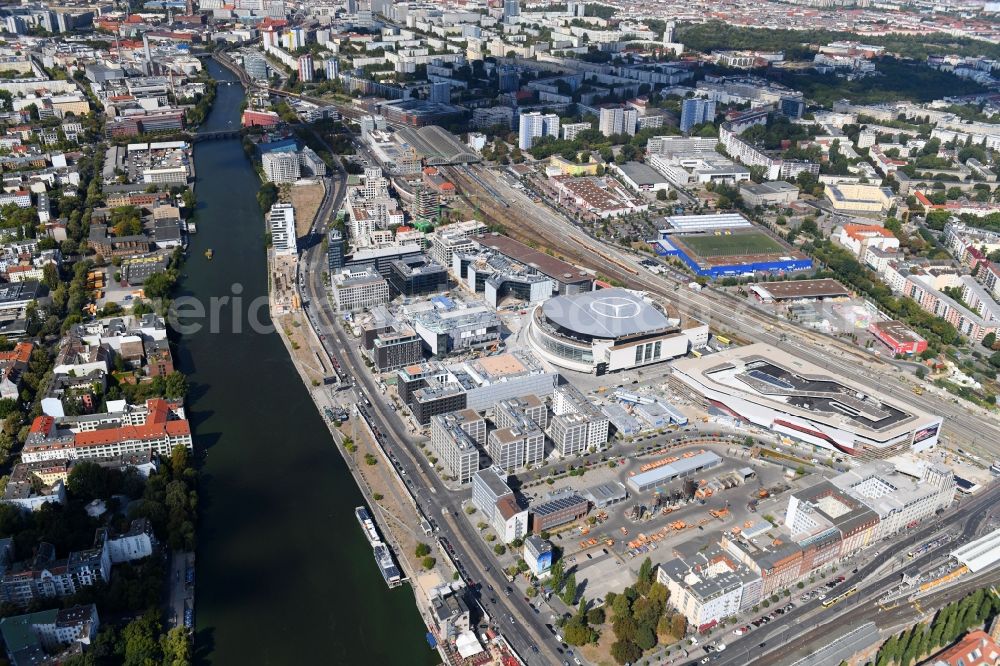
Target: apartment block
x,y
617,120
49,636
46,577
535,125
281,223
159,426
281,166
708,586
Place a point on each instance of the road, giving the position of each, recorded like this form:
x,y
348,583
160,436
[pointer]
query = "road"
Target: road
x,y
794,634
724,311
529,628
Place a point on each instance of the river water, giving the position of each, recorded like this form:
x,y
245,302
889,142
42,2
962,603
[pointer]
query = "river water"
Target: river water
x,y
284,574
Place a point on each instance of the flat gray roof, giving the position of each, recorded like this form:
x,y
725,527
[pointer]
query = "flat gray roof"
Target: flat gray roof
x,y
607,313
642,174
678,468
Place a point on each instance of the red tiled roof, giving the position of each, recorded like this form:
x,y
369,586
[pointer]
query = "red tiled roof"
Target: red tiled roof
x,y
20,354
155,427
42,424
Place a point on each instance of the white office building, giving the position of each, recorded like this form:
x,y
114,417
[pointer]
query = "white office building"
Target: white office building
x,y
496,503
577,424
455,438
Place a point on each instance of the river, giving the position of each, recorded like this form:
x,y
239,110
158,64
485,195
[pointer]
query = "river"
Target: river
x,y
284,574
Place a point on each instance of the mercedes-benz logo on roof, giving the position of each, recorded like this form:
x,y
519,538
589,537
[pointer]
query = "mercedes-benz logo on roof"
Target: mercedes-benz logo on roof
x,y
615,307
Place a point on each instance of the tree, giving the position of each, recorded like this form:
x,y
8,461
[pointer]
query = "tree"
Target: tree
x,y
159,284
887,653
175,385
989,340
661,195
139,639
625,652
678,625
176,646
645,578
663,627
556,575
595,616
569,592
267,196
428,562
7,407
88,481
576,632
622,606
422,550
645,636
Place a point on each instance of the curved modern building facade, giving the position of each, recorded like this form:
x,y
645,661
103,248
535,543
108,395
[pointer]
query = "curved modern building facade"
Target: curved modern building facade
x,y
608,330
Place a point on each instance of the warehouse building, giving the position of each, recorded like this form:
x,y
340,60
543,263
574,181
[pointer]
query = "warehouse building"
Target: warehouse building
x,y
897,337
772,193
569,279
606,494
799,290
681,469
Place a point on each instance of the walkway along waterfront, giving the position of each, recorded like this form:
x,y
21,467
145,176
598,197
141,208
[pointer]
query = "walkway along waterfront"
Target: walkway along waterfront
x,y
284,574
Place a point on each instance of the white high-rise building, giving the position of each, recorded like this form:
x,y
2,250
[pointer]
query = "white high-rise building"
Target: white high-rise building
x,y
270,38
618,120
668,33
281,167
281,222
534,125
696,111
332,67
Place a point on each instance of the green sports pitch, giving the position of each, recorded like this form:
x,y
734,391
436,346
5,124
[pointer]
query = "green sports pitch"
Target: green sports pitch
x,y
710,246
